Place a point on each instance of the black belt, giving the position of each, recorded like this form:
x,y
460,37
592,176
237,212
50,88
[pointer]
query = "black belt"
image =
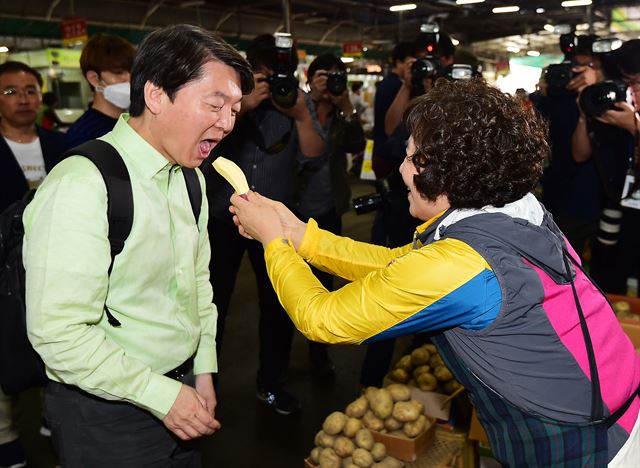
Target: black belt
x,y
179,372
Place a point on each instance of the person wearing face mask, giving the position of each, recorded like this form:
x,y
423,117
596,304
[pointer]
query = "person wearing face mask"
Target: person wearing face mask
x,y
106,65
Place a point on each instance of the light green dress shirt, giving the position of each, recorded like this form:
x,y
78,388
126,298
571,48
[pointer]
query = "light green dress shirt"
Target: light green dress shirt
x,y
158,290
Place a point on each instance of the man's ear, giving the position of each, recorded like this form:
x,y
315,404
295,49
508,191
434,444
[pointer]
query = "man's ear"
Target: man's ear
x,y
154,97
93,78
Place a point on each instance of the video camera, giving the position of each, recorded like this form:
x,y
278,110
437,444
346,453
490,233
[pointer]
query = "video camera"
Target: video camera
x,y
429,66
283,85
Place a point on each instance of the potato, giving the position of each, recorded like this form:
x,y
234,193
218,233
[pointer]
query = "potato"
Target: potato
x,y
399,375
324,440
370,421
391,424
364,439
350,465
329,459
419,357
382,403
334,423
407,411
362,458
378,451
420,370
399,392
404,363
390,462
357,408
451,386
415,428
435,361
430,347
314,456
427,382
351,427
343,446
369,393
442,373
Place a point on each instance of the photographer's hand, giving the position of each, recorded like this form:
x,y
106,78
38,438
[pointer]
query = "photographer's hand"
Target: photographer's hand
x,y
624,116
343,103
586,77
260,93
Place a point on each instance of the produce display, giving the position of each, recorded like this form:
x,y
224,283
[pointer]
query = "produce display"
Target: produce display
x,y
424,369
623,311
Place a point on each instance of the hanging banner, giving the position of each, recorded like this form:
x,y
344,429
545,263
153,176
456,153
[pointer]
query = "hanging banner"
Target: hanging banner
x,y
625,19
352,49
74,30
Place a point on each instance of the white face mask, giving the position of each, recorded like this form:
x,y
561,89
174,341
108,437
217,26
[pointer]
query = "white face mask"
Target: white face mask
x,y
118,94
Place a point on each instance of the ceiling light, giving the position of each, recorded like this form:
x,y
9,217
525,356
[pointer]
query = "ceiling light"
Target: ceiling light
x,y
3,49
533,53
346,59
455,41
582,26
403,7
513,49
539,10
468,2
506,9
572,3
549,27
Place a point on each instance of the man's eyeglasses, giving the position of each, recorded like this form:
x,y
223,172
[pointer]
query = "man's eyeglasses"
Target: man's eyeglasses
x,y
14,92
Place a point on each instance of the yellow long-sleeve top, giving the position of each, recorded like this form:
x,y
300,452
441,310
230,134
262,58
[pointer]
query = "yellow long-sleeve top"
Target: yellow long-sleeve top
x,y
392,291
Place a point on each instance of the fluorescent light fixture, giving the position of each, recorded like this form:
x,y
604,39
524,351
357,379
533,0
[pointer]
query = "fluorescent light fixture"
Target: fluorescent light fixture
x,y
346,59
533,53
3,49
539,10
455,41
506,9
549,27
572,3
582,26
403,7
513,49
468,2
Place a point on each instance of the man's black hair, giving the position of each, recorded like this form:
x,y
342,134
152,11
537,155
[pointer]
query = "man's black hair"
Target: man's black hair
x,y
17,67
628,57
584,44
401,51
173,56
325,62
261,52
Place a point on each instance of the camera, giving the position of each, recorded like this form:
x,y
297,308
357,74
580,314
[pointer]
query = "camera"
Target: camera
x,y
429,66
459,71
336,82
283,85
598,98
559,75
373,201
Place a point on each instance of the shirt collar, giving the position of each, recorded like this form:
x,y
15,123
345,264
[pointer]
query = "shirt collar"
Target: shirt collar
x,y
144,158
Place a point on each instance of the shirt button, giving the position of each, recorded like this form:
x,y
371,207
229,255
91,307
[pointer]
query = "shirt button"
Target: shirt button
x,y
253,187
255,166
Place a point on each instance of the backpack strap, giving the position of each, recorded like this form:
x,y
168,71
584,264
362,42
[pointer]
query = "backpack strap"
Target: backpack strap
x,y
194,190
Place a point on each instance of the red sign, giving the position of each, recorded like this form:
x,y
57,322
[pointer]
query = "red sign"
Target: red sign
x,y
74,29
352,49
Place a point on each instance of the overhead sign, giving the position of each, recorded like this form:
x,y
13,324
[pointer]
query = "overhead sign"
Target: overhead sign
x,y
625,19
74,30
352,49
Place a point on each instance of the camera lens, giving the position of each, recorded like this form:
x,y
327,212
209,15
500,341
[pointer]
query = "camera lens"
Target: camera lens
x,y
558,76
596,99
367,203
284,90
336,82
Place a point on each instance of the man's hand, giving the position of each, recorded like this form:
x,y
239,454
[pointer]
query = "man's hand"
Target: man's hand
x,y
318,85
189,418
624,116
586,77
204,387
406,72
260,93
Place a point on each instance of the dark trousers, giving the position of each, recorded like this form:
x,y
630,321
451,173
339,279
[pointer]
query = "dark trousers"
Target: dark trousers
x,y
88,431
275,328
579,231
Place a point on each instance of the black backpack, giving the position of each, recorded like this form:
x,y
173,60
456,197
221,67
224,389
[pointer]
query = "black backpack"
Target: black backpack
x,y
20,366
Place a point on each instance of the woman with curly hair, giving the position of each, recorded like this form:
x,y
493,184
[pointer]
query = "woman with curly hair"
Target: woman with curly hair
x,y
554,378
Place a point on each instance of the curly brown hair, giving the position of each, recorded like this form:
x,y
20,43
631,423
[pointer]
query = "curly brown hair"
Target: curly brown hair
x,y
475,144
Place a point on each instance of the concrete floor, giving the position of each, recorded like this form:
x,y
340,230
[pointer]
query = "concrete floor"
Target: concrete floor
x,y
252,434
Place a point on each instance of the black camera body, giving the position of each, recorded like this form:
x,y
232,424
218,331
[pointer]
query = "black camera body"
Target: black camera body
x,y
283,85
336,82
373,201
429,66
559,75
598,98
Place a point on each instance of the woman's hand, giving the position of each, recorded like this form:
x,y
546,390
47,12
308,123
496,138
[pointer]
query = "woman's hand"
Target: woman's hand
x,y
263,219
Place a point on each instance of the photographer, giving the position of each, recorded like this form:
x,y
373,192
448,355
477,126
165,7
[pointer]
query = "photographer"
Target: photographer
x,y
266,143
610,140
570,189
